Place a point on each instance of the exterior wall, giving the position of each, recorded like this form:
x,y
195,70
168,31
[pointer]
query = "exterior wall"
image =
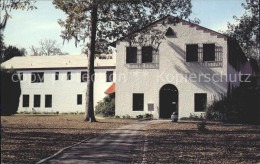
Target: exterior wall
x,y
64,92
173,69
235,76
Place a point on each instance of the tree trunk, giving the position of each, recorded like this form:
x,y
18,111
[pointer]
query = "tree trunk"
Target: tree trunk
x,y
89,111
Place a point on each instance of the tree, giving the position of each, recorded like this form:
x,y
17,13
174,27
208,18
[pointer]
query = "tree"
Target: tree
x,y
247,29
11,52
2,44
47,47
10,92
103,21
8,5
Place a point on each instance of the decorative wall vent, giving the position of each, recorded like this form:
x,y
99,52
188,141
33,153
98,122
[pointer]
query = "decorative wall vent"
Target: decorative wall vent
x,y
170,33
150,107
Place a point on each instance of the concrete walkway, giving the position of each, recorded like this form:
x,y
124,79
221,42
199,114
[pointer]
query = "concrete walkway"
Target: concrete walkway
x,y
117,146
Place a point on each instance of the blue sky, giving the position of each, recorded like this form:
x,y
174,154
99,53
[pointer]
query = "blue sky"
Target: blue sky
x,y
27,28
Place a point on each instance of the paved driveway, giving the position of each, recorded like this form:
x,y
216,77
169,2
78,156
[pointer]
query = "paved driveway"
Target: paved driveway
x,y
117,146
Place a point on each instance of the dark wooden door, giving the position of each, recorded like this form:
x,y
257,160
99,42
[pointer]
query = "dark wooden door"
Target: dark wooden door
x,y
168,100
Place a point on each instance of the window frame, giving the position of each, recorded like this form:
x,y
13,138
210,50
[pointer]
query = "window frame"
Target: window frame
x,y
135,104
199,101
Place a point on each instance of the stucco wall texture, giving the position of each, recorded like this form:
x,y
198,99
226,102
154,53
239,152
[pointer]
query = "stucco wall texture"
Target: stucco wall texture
x,y
64,92
173,69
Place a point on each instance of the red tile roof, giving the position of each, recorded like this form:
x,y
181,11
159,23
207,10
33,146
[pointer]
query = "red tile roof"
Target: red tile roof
x,y
111,89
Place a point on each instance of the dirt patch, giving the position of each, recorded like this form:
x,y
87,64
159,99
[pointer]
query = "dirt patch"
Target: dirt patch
x,y
182,143
29,138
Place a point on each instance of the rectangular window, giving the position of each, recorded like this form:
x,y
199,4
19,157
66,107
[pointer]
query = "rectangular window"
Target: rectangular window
x,y
84,76
138,102
57,75
79,99
37,77
21,76
147,54
110,76
48,101
131,54
200,102
68,75
25,100
192,53
37,101
208,52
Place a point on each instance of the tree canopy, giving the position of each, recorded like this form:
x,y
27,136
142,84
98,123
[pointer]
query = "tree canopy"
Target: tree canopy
x,y
100,22
47,47
11,52
7,53
7,6
247,29
115,18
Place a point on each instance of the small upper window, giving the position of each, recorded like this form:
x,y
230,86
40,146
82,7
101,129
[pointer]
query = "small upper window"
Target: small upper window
x,y
84,76
200,102
131,54
208,52
147,54
57,75
110,76
68,75
37,77
21,76
192,53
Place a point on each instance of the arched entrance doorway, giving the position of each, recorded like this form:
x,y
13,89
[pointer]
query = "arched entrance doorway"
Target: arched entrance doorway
x,y
168,100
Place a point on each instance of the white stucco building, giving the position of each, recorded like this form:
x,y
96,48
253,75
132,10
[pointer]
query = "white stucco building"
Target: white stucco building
x,y
190,68
57,83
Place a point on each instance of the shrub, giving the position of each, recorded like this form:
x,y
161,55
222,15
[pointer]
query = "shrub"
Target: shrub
x,y
117,117
139,117
106,107
148,116
126,117
240,106
202,125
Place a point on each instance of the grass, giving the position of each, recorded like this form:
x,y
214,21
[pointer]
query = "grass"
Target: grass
x,y
184,143
30,138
